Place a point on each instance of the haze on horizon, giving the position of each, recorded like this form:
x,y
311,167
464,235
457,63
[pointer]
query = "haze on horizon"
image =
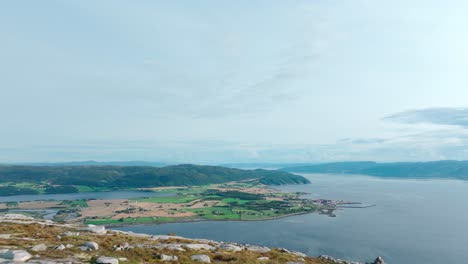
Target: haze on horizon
x,y
233,81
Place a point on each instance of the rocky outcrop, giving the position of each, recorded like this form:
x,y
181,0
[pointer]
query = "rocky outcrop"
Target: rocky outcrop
x,y
230,247
164,257
15,255
96,229
44,236
338,261
60,247
197,246
257,249
379,260
91,245
201,258
107,260
39,247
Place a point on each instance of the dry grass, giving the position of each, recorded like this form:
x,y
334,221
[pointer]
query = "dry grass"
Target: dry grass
x,y
48,235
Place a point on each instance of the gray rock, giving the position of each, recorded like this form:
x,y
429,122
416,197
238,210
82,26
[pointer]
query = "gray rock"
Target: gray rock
x,y
230,247
124,246
97,229
379,260
5,236
201,258
197,246
299,254
91,245
263,258
164,257
69,245
176,247
40,247
123,259
69,233
15,255
60,247
258,249
16,217
107,260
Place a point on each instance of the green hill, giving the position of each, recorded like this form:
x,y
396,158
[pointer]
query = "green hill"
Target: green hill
x,y
66,179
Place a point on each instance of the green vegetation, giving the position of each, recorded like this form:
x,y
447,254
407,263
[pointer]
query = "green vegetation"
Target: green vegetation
x,y
82,188
69,179
132,221
216,213
169,199
11,204
75,203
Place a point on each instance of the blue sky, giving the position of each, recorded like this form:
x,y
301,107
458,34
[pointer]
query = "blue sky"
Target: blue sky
x,y
233,81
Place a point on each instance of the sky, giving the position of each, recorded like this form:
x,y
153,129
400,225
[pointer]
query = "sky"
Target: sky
x,y
214,81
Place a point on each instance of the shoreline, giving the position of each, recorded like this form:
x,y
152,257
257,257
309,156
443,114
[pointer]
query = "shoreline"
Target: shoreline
x,y
195,220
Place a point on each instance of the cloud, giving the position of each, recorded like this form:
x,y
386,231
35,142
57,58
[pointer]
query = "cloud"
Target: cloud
x,y
438,116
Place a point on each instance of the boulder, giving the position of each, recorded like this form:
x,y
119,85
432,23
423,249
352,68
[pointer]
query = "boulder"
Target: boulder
x,y
69,233
69,245
124,246
15,255
201,258
298,254
5,236
197,246
230,247
379,260
39,247
263,258
91,245
107,260
16,217
175,247
60,247
164,257
258,249
97,229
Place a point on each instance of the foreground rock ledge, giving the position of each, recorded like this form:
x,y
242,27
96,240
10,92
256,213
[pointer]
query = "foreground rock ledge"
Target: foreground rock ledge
x,y
41,241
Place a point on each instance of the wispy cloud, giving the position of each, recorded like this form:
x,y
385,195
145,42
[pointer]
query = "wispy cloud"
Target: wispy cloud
x,y
438,116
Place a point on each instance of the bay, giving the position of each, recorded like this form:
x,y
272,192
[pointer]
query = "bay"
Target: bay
x,y
414,221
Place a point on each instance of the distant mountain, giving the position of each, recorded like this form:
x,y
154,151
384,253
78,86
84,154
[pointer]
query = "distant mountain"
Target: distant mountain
x,y
65,179
260,165
433,169
97,163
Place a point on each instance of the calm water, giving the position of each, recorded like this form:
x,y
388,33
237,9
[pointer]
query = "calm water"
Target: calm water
x,y
78,196
415,221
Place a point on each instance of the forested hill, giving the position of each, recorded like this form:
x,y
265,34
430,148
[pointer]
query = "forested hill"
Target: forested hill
x,y
434,169
62,179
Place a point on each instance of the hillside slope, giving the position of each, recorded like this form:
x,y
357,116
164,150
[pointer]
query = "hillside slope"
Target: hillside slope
x,y
66,179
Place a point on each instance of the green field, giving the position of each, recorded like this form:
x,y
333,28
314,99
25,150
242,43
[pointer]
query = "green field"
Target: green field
x,y
75,203
216,213
132,220
169,199
83,188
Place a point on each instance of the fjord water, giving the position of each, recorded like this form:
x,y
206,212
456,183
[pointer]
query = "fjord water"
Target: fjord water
x,y
79,196
414,221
